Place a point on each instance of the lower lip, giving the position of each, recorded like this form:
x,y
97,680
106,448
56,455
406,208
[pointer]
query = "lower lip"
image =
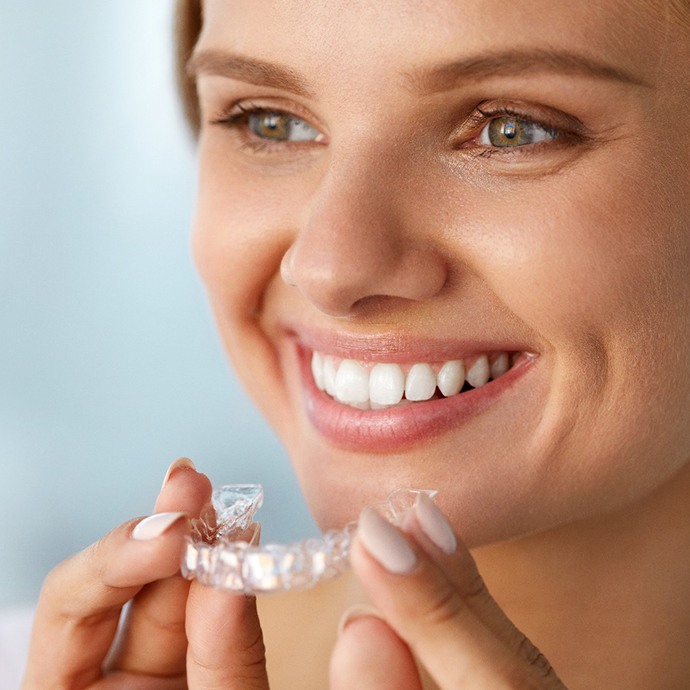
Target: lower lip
x,y
402,426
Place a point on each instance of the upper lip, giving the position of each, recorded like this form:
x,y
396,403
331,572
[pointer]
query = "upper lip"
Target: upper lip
x,y
391,346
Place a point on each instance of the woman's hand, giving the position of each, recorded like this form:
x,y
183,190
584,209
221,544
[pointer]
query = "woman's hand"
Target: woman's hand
x,y
176,634
432,602
433,605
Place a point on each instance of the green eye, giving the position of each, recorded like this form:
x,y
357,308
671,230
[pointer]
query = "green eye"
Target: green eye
x,y
506,132
276,126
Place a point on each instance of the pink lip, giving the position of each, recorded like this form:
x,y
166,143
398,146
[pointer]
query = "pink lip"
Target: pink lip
x,y
396,348
396,428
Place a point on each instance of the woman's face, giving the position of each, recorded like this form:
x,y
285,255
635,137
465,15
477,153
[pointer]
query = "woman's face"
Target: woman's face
x,y
397,186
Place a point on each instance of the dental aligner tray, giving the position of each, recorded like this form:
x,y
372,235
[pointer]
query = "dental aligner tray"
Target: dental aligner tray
x,y
223,551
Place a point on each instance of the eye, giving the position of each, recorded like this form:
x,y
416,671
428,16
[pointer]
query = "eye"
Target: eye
x,y
277,126
510,131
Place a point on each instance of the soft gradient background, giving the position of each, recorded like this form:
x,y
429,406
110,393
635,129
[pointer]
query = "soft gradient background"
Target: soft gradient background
x,y
109,363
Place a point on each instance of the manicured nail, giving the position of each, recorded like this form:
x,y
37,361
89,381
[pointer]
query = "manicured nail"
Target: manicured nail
x,y
357,611
179,463
385,543
155,525
434,524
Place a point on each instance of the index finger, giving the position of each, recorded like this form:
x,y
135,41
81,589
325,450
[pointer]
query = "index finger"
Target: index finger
x,y
431,594
152,640
80,603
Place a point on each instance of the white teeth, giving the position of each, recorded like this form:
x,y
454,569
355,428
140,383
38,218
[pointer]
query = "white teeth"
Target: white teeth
x,y
451,377
420,383
317,370
329,373
352,382
478,374
500,365
375,386
386,384
360,405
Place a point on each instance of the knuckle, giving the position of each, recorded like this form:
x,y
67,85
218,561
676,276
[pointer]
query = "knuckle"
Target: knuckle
x,y
541,671
475,590
73,591
445,605
254,653
250,645
531,654
158,620
73,618
55,586
248,667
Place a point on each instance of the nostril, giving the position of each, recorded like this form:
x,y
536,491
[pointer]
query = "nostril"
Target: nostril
x,y
341,279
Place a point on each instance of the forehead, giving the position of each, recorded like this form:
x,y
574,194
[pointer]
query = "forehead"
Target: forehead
x,y
325,38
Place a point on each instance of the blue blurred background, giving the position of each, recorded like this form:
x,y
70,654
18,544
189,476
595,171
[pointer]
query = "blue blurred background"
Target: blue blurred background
x,y
110,367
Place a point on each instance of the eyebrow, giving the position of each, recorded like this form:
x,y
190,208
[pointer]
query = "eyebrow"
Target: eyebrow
x,y
424,80
245,69
513,63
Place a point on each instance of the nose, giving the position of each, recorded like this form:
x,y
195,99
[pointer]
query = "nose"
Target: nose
x,y
357,246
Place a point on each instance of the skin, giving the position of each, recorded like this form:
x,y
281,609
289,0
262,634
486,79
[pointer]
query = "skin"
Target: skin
x,y
466,245
397,225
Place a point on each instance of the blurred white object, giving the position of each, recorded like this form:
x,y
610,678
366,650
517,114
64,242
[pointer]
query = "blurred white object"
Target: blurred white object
x,y
15,630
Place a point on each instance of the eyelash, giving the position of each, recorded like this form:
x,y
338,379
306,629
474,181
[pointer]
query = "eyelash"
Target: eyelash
x,y
237,119
481,118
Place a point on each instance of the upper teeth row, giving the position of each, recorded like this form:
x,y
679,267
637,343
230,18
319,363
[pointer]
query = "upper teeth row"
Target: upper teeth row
x,y
382,384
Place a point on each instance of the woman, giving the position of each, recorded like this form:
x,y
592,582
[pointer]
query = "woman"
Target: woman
x,y
467,222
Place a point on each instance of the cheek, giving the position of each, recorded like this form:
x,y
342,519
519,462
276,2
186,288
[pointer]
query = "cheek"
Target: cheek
x,y
242,228
237,251
597,267
241,232
603,255
247,216
234,259
608,285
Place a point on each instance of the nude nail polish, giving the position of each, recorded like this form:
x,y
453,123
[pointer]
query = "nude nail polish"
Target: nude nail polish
x,y
155,525
357,611
179,463
434,524
385,543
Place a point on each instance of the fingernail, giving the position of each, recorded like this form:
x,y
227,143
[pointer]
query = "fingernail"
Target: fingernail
x,y
155,525
357,611
178,464
385,543
434,524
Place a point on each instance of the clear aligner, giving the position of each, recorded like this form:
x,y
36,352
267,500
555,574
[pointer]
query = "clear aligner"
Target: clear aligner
x,y
223,552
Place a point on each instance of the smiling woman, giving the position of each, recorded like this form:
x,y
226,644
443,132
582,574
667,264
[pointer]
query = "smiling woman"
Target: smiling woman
x,y
446,248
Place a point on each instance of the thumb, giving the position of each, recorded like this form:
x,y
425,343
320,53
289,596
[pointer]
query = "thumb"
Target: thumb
x,y
369,655
226,649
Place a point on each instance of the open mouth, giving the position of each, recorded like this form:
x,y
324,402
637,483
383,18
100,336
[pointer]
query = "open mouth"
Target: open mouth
x,y
380,385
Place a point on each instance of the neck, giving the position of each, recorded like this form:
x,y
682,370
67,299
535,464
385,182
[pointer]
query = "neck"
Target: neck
x,y
607,599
